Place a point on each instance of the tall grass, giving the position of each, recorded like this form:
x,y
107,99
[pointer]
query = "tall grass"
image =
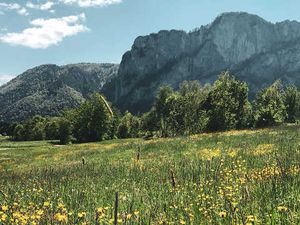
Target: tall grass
x,y
235,177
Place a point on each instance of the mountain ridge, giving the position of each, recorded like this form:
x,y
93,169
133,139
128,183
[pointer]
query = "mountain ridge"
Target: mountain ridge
x,y
169,57
48,89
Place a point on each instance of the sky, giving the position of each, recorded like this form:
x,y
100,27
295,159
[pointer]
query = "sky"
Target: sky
x,y
36,32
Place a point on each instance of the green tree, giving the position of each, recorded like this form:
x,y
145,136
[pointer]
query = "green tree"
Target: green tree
x,y
162,109
19,133
227,104
30,130
193,97
291,99
65,131
34,128
182,112
93,119
174,115
7,129
38,132
129,126
269,106
52,129
149,122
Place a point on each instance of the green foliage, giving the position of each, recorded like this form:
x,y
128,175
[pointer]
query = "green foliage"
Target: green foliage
x,y
291,99
150,121
192,109
65,131
182,113
37,128
193,97
19,133
227,104
174,119
162,109
7,128
52,128
223,106
269,106
92,120
38,132
32,129
113,130
129,126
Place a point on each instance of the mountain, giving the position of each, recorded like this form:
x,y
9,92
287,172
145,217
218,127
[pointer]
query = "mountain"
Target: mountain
x,y
48,89
253,49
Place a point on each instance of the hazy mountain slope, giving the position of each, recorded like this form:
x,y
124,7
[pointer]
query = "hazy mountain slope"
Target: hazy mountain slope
x,y
48,89
251,47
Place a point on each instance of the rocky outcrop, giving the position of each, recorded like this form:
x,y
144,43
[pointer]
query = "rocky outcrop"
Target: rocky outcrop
x,y
255,50
48,89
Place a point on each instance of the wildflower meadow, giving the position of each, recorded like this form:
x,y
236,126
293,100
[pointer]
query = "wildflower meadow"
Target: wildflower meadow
x,y
234,177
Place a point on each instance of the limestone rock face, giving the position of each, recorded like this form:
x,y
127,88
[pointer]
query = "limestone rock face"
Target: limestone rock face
x,y
255,50
48,89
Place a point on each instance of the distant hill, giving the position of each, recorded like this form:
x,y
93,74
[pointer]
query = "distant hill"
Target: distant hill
x,y
48,89
253,49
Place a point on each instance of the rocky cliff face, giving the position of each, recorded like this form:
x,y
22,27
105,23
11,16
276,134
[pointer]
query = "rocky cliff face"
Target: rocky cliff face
x,y
48,89
255,50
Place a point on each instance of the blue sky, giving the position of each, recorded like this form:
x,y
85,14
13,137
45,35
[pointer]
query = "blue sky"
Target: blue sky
x,y
38,32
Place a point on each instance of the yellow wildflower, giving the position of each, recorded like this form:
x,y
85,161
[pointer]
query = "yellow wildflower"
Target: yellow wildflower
x,y
282,208
46,204
4,208
81,214
251,218
61,217
3,218
222,214
182,221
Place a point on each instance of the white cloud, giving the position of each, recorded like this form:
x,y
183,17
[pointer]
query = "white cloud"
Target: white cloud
x,y
46,32
47,6
91,3
23,12
14,7
5,78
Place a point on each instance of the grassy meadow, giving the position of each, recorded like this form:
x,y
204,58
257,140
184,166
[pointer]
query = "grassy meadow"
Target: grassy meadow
x,y
234,177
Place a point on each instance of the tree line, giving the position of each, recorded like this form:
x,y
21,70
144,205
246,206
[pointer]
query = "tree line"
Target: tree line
x,y
192,109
